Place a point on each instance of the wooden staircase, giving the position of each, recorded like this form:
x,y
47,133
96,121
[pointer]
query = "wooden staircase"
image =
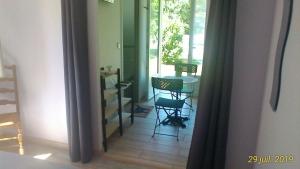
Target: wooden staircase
x,y
11,120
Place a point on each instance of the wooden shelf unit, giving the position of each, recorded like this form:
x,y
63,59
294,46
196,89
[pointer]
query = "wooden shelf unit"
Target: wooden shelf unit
x,y
113,103
11,119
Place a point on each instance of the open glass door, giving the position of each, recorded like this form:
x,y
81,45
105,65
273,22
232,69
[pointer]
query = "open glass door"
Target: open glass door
x,y
153,42
197,33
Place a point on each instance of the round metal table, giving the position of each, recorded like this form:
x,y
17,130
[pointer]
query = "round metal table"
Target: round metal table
x,y
186,79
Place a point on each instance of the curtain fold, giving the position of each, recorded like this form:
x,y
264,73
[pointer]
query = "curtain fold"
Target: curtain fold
x,y
282,41
1,62
75,44
208,148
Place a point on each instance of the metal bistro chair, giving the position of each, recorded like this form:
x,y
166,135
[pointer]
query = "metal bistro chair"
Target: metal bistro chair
x,y
187,90
170,106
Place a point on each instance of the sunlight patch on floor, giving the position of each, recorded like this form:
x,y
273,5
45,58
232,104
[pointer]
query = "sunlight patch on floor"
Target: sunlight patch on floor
x,y
43,156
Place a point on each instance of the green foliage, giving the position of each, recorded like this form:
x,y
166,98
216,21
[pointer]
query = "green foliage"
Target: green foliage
x,y
176,19
178,14
185,16
172,42
154,15
179,11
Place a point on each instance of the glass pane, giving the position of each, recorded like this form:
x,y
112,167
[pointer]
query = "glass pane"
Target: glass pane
x,y
153,44
199,33
175,25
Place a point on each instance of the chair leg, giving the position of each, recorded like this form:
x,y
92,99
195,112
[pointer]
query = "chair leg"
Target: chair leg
x,y
157,115
191,99
191,105
177,133
155,127
157,120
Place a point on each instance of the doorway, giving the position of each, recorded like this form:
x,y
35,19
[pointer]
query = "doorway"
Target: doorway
x,y
149,26
177,31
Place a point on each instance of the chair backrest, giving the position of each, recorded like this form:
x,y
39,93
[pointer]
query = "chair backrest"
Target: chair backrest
x,y
174,85
186,67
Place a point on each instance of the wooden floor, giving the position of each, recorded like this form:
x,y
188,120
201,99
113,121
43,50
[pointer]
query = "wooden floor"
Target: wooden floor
x,y
136,149
138,146
61,156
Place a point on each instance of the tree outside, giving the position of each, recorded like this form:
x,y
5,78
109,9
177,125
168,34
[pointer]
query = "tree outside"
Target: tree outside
x,y
176,19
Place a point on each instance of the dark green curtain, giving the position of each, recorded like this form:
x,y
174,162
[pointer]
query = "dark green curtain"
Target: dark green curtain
x,y
208,148
76,66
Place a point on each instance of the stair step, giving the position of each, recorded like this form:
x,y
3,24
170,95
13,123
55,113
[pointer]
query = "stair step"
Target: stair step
x,y
9,66
6,102
8,117
6,90
8,137
9,124
7,79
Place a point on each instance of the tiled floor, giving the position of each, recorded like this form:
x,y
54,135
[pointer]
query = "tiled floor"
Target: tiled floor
x,y
136,149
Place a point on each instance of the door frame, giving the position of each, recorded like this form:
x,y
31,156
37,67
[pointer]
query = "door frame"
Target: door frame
x,y
158,45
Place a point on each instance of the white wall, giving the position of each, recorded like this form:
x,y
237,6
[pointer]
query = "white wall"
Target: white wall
x,y
279,131
252,43
110,28
94,64
31,35
105,32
